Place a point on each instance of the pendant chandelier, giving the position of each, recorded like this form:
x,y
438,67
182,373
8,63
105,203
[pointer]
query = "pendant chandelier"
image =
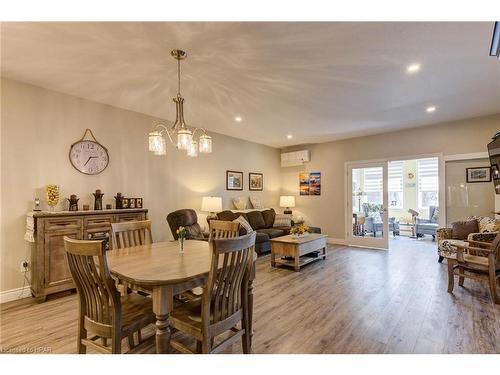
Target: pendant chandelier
x,y
180,131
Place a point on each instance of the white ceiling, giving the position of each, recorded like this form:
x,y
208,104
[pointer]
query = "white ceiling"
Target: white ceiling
x,y
317,81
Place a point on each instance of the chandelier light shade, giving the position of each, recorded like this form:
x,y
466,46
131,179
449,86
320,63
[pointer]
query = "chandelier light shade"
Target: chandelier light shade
x,y
180,131
193,149
205,144
157,143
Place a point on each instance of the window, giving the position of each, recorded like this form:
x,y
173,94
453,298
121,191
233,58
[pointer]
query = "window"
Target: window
x,y
373,180
427,182
395,172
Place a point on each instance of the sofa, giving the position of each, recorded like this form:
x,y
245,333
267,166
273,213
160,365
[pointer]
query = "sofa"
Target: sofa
x,y
428,226
262,221
373,222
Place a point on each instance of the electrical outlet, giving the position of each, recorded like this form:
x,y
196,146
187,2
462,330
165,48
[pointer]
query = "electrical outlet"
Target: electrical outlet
x,y
24,266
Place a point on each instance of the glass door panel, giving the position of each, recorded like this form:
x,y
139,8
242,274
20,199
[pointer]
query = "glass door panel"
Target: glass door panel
x,y
367,205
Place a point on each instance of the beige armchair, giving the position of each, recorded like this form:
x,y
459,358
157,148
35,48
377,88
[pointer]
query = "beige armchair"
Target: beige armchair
x,y
481,261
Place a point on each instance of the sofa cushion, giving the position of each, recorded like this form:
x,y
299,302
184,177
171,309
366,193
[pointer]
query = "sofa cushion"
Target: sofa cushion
x,y
271,232
261,237
285,230
256,219
226,215
461,229
269,216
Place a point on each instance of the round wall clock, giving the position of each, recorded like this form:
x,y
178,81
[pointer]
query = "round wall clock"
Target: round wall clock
x,y
87,156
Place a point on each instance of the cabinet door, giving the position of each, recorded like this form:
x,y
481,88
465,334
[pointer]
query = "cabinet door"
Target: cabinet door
x,y
56,269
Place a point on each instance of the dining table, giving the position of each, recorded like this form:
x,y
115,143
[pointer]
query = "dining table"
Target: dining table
x,y
162,268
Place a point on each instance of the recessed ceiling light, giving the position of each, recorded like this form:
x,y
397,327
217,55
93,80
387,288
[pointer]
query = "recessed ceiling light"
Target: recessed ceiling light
x,y
289,136
413,68
430,109
238,119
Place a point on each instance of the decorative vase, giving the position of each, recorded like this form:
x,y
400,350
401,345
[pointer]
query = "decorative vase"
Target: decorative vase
x,y
73,202
98,199
296,236
119,201
181,245
52,192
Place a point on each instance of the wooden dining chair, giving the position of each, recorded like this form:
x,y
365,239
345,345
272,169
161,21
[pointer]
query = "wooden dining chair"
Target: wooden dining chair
x,y
223,229
131,233
481,262
224,302
102,311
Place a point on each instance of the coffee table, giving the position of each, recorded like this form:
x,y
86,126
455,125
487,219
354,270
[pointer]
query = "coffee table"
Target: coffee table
x,y
289,246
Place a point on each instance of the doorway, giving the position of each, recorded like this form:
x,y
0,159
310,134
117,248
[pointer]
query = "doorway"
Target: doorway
x,y
394,199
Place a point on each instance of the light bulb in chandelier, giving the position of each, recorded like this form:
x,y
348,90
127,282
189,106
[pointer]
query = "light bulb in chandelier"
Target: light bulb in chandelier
x,y
193,149
205,144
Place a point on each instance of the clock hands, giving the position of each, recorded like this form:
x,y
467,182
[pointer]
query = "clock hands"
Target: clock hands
x,y
90,157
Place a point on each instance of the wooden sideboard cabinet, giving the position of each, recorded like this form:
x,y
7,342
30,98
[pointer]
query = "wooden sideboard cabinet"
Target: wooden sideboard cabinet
x,y
49,268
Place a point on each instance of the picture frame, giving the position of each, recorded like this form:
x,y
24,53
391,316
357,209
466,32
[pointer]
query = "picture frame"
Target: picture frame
x,y
478,174
125,203
138,203
310,183
255,181
234,180
131,203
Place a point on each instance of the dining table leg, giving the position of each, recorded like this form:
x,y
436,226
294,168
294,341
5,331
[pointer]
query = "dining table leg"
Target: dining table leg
x,y
163,300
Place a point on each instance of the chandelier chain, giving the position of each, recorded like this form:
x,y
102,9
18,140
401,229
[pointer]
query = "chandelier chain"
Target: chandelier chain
x,y
179,77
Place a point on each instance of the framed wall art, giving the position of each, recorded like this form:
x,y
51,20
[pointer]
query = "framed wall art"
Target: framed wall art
x,y
310,183
234,180
478,174
255,181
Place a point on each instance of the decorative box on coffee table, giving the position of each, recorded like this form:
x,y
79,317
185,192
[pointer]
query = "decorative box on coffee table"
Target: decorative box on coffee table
x,y
287,247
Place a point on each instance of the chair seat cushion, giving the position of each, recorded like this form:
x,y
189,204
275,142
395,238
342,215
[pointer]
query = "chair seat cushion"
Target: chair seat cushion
x,y
447,248
137,312
272,232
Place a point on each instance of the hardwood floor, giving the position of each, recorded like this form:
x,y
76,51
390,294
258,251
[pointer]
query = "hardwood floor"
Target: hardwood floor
x,y
357,301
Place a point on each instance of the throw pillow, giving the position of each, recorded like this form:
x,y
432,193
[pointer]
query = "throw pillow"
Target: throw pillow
x,y
240,203
244,224
461,229
487,224
255,202
282,220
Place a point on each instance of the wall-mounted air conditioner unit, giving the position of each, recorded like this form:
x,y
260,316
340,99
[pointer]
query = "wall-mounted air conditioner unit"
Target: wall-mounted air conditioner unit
x,y
295,158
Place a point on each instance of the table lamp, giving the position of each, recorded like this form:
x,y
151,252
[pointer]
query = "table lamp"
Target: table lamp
x,y
212,205
287,201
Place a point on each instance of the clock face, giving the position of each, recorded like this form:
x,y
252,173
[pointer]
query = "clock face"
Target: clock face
x,y
89,157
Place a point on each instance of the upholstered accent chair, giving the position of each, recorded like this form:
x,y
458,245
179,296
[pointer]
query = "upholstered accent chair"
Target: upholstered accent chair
x,y
430,225
186,218
373,222
488,229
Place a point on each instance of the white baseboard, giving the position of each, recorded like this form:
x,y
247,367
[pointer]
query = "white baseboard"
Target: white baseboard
x,y
335,241
15,294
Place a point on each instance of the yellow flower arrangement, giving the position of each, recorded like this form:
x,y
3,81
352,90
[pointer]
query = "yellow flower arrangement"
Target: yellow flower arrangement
x,y
299,230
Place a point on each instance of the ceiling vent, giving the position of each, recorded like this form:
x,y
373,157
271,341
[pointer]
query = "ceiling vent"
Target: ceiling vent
x,y
295,158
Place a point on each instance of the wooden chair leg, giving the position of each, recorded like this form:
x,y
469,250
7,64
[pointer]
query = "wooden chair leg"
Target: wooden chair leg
x,y
116,344
198,347
461,278
205,345
131,343
451,280
82,334
139,337
493,284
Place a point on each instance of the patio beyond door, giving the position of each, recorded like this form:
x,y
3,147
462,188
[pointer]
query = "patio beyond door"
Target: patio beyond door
x,y
367,205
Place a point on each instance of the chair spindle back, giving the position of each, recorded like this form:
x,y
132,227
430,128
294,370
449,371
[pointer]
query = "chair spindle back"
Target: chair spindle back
x,y
131,233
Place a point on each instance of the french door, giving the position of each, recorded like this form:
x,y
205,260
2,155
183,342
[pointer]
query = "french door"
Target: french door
x,y
367,205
